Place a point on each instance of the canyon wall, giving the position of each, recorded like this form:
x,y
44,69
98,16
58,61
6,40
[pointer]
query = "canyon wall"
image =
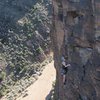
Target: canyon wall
x,y
76,35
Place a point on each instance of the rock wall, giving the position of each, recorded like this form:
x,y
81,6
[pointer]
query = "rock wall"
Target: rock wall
x,y
76,35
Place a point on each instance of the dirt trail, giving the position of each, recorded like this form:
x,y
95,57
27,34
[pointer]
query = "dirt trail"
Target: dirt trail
x,y
41,88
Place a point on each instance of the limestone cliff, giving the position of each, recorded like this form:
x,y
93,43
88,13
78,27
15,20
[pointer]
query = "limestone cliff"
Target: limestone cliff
x,y
76,34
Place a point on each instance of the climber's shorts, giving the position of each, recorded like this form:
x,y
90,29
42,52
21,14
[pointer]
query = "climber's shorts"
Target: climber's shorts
x,y
63,72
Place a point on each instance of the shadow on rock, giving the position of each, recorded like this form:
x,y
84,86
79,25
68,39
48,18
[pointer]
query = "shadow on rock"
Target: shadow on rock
x,y
48,97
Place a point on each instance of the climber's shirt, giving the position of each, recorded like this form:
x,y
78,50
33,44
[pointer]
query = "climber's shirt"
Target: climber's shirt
x,y
64,68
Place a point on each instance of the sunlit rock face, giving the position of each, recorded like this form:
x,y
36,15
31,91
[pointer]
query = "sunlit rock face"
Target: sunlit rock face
x,y
77,36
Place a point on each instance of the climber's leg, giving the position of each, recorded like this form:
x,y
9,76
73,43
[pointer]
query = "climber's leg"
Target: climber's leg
x,y
64,79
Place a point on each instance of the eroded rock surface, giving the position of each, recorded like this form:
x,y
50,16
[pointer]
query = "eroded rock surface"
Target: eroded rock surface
x,y
77,36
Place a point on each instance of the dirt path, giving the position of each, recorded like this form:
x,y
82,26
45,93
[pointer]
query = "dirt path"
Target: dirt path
x,y
41,88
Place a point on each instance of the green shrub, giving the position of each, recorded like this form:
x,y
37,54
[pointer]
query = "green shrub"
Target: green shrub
x,y
39,50
2,75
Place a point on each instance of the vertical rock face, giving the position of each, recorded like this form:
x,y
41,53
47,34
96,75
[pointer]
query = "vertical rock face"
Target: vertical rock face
x,y
76,34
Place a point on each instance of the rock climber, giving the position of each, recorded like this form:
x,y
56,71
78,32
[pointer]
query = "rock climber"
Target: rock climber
x,y
64,69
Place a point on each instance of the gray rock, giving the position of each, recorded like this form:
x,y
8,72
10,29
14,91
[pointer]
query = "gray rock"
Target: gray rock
x,y
82,47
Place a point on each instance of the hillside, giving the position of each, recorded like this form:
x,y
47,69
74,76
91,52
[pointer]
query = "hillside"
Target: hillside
x,y
24,41
42,86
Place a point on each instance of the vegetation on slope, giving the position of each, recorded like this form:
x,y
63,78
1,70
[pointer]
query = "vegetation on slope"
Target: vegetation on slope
x,y
24,40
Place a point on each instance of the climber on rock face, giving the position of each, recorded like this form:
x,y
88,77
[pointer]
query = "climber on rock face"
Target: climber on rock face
x,y
64,69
